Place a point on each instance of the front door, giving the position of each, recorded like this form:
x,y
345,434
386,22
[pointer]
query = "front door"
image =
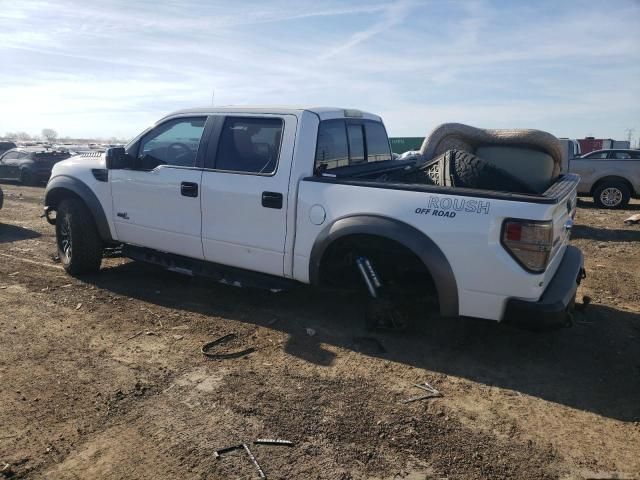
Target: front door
x,y
9,165
156,204
244,192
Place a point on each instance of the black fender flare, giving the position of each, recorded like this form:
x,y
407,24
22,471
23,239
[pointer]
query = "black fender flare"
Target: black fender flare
x,y
55,192
413,239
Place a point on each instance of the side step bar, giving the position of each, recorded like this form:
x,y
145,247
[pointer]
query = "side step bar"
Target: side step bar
x,y
220,273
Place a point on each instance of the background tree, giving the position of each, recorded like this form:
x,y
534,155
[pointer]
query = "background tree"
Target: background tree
x,y
23,136
49,134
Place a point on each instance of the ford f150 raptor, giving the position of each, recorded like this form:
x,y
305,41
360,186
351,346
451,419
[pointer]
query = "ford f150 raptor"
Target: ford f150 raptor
x,y
280,196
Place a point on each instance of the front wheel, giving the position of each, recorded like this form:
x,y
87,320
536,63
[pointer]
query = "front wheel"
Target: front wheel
x,y
612,195
79,244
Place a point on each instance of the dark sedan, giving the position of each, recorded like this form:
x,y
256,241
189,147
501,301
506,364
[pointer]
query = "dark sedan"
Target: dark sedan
x,y
28,165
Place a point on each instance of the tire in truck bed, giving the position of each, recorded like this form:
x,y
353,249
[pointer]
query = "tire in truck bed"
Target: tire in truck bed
x,y
457,168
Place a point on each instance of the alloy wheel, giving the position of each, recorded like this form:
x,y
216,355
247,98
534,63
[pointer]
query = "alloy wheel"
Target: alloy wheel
x,y
611,197
64,240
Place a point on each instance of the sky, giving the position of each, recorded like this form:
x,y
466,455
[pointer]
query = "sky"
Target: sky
x,y
113,67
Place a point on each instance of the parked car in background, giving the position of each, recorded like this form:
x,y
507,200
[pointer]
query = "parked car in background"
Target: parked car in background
x,y
4,146
611,177
616,154
30,166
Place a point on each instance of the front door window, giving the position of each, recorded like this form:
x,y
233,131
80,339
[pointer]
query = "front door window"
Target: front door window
x,y
173,143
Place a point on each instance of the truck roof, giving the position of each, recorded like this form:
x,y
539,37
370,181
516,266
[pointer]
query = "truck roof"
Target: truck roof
x,y
324,113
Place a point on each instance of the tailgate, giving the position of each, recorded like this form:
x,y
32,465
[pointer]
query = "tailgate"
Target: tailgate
x,y
565,192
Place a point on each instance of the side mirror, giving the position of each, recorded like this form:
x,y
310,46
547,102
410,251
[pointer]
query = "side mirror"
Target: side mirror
x,y
117,158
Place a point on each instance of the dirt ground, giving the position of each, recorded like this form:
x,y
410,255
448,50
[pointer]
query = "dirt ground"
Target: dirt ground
x,y
103,377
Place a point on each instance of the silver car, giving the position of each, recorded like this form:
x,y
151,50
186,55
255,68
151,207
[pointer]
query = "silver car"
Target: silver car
x,y
611,177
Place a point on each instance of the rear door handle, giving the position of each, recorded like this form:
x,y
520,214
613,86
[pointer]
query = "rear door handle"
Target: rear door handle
x,y
272,200
189,189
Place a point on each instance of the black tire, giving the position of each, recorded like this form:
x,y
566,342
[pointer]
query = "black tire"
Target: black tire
x,y
612,195
77,238
27,178
471,171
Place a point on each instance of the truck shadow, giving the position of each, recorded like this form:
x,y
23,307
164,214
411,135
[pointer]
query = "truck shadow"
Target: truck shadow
x,y
593,366
13,233
587,202
605,234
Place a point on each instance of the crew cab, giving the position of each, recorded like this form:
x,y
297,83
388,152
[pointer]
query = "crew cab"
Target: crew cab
x,y
277,197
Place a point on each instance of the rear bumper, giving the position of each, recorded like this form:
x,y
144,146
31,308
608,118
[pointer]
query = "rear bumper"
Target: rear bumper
x,y
557,301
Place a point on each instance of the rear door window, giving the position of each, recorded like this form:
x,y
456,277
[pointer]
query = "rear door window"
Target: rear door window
x,y
343,143
249,145
622,155
597,155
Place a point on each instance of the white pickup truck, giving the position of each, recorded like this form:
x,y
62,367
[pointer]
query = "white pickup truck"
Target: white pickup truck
x,y
280,196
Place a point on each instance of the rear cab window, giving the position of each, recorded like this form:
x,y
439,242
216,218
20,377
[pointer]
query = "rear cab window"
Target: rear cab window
x,y
345,143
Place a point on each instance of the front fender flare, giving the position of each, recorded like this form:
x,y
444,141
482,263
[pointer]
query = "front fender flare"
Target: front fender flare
x,y
413,239
60,184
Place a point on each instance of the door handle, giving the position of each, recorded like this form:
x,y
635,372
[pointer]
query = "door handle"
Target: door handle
x,y
189,189
272,200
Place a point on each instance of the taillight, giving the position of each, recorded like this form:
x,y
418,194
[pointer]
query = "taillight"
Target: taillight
x,y
529,242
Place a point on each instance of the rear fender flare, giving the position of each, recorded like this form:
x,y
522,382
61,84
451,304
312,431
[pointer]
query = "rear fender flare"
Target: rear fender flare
x,y
416,241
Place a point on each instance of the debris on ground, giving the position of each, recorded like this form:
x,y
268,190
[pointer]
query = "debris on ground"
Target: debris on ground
x,y
431,393
218,454
206,348
260,441
633,219
273,441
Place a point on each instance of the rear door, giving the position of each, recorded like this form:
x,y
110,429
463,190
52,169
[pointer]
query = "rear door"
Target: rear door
x,y
588,168
156,204
244,191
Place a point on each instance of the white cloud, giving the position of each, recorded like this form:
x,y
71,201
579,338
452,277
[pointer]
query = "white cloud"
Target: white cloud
x,y
112,67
